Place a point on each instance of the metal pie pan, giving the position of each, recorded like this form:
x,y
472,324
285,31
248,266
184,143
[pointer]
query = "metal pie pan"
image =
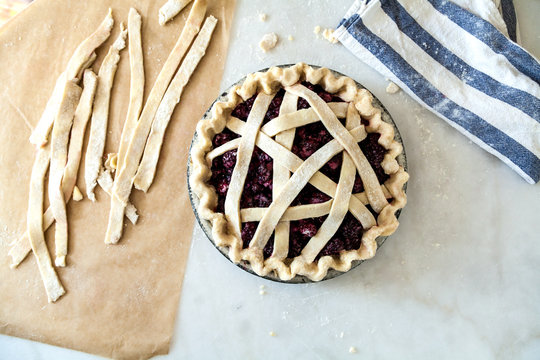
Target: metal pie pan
x,y
244,265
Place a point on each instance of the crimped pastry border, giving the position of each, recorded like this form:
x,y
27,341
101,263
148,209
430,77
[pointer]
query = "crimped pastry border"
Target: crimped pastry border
x,y
269,82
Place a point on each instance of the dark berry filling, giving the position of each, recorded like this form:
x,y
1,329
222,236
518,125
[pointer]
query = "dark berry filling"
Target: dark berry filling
x,y
258,186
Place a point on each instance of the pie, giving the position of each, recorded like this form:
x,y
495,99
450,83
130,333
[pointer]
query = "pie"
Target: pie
x,y
297,173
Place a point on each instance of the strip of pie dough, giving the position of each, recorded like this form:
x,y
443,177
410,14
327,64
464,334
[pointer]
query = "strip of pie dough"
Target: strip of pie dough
x,y
297,182
339,132
220,150
52,284
300,212
300,118
281,175
293,213
147,168
243,158
21,248
81,59
341,200
59,155
136,90
319,180
170,9
123,181
100,115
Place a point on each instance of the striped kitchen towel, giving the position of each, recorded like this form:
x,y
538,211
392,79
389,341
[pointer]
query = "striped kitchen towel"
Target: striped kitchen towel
x,y
458,64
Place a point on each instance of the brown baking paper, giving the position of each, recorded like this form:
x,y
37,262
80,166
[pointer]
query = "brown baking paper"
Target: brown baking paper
x,y
121,300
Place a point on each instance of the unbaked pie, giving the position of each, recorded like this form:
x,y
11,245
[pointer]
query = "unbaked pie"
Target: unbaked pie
x,y
296,171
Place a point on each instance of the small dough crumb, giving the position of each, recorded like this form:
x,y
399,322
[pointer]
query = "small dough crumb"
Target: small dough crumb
x,y
317,30
271,333
261,287
342,334
328,34
262,292
353,350
77,195
111,162
263,17
290,38
268,42
392,88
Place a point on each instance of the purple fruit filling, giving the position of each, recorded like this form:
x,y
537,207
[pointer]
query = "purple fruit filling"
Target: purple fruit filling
x,y
258,186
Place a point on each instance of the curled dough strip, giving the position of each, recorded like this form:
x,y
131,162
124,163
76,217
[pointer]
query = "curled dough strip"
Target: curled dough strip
x,y
82,58
123,181
136,89
147,168
21,247
52,284
100,116
59,155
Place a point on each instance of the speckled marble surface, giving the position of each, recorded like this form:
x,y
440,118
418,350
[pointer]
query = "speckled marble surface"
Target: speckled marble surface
x,y
460,279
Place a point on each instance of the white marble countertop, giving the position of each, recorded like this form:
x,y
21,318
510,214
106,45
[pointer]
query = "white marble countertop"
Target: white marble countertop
x,y
460,279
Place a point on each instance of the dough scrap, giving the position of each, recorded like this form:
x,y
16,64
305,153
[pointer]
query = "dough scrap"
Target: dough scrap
x,y
100,115
147,168
59,154
268,42
392,88
136,90
82,58
170,9
328,34
123,181
77,195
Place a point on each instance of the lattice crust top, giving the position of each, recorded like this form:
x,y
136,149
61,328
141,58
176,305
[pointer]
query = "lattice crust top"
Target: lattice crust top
x,y
291,173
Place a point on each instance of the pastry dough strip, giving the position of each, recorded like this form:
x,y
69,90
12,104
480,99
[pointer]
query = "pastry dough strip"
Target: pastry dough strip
x,y
123,181
340,205
21,247
136,89
81,59
293,213
300,212
220,150
319,180
281,175
100,115
243,158
147,167
340,133
59,155
300,118
52,284
170,9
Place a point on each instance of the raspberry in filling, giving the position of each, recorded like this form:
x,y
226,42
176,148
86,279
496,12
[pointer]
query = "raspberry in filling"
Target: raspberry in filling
x,y
258,185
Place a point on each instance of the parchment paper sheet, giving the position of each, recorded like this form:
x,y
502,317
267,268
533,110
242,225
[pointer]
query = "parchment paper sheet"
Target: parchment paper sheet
x,y
121,300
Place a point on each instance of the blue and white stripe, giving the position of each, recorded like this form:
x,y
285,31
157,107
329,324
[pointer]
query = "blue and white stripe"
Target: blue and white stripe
x,y
459,66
